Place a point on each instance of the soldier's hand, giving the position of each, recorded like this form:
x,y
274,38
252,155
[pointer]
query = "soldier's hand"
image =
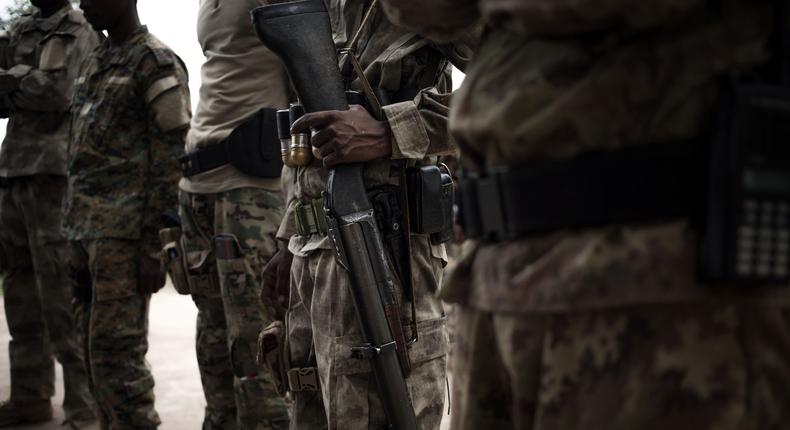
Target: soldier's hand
x,y
349,136
150,277
277,281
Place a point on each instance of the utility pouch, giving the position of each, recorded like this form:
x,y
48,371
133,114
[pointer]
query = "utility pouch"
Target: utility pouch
x,y
254,146
745,236
272,354
431,199
173,259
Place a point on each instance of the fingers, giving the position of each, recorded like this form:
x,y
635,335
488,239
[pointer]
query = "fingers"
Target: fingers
x,y
331,160
313,120
324,135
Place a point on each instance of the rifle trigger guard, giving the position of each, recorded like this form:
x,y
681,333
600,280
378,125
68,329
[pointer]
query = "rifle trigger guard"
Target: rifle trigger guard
x,y
368,351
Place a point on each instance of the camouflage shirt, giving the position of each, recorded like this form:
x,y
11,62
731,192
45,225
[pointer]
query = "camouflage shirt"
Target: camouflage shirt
x,y
38,67
396,61
554,80
131,114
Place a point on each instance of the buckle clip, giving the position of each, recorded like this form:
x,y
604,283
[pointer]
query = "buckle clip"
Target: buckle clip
x,y
368,351
303,379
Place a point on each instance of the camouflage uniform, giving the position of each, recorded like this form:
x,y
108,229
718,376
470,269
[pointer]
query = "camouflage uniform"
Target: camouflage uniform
x,y
227,291
605,327
239,77
322,324
40,64
131,111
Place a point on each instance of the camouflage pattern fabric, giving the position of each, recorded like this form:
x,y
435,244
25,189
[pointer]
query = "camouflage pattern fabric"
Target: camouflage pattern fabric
x,y
323,327
130,115
322,324
38,67
714,366
230,311
604,328
37,295
116,331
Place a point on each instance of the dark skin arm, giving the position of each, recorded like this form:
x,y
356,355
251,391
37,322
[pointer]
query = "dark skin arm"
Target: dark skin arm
x,y
351,136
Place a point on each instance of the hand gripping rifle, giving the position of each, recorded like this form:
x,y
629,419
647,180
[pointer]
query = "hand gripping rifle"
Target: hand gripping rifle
x,y
300,33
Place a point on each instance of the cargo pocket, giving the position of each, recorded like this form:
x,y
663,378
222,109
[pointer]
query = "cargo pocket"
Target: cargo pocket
x,y
351,378
237,286
201,278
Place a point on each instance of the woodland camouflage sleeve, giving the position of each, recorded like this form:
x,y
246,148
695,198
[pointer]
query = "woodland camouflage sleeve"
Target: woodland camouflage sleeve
x,y
168,101
49,86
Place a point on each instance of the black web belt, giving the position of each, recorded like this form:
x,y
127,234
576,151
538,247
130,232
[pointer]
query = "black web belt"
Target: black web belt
x,y
205,159
640,184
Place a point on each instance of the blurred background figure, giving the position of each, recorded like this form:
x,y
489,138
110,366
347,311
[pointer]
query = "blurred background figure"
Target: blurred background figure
x,y
40,56
131,116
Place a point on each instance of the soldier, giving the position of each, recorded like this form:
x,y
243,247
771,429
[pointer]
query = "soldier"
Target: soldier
x,y
39,66
602,327
131,114
330,388
220,202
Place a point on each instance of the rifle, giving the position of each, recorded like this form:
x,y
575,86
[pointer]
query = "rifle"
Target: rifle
x,y
300,33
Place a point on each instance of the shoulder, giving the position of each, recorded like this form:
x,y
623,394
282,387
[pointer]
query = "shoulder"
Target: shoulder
x,y
72,25
156,61
76,16
21,24
159,52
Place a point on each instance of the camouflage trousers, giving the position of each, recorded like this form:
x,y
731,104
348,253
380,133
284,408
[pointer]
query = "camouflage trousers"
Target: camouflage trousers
x,y
691,366
115,331
226,288
37,294
322,328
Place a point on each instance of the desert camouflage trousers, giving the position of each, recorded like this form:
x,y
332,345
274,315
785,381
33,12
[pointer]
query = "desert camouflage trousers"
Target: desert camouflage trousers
x,y
322,328
226,288
687,366
37,294
113,319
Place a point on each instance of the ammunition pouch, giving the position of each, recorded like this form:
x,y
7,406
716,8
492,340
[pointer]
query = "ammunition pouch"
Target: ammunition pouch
x,y
310,218
639,184
273,354
253,148
431,198
431,195
173,259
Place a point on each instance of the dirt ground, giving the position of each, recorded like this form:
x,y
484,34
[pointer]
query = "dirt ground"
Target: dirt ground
x,y
179,397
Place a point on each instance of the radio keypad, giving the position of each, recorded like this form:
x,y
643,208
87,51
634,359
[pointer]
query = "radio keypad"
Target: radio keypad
x,y
763,240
